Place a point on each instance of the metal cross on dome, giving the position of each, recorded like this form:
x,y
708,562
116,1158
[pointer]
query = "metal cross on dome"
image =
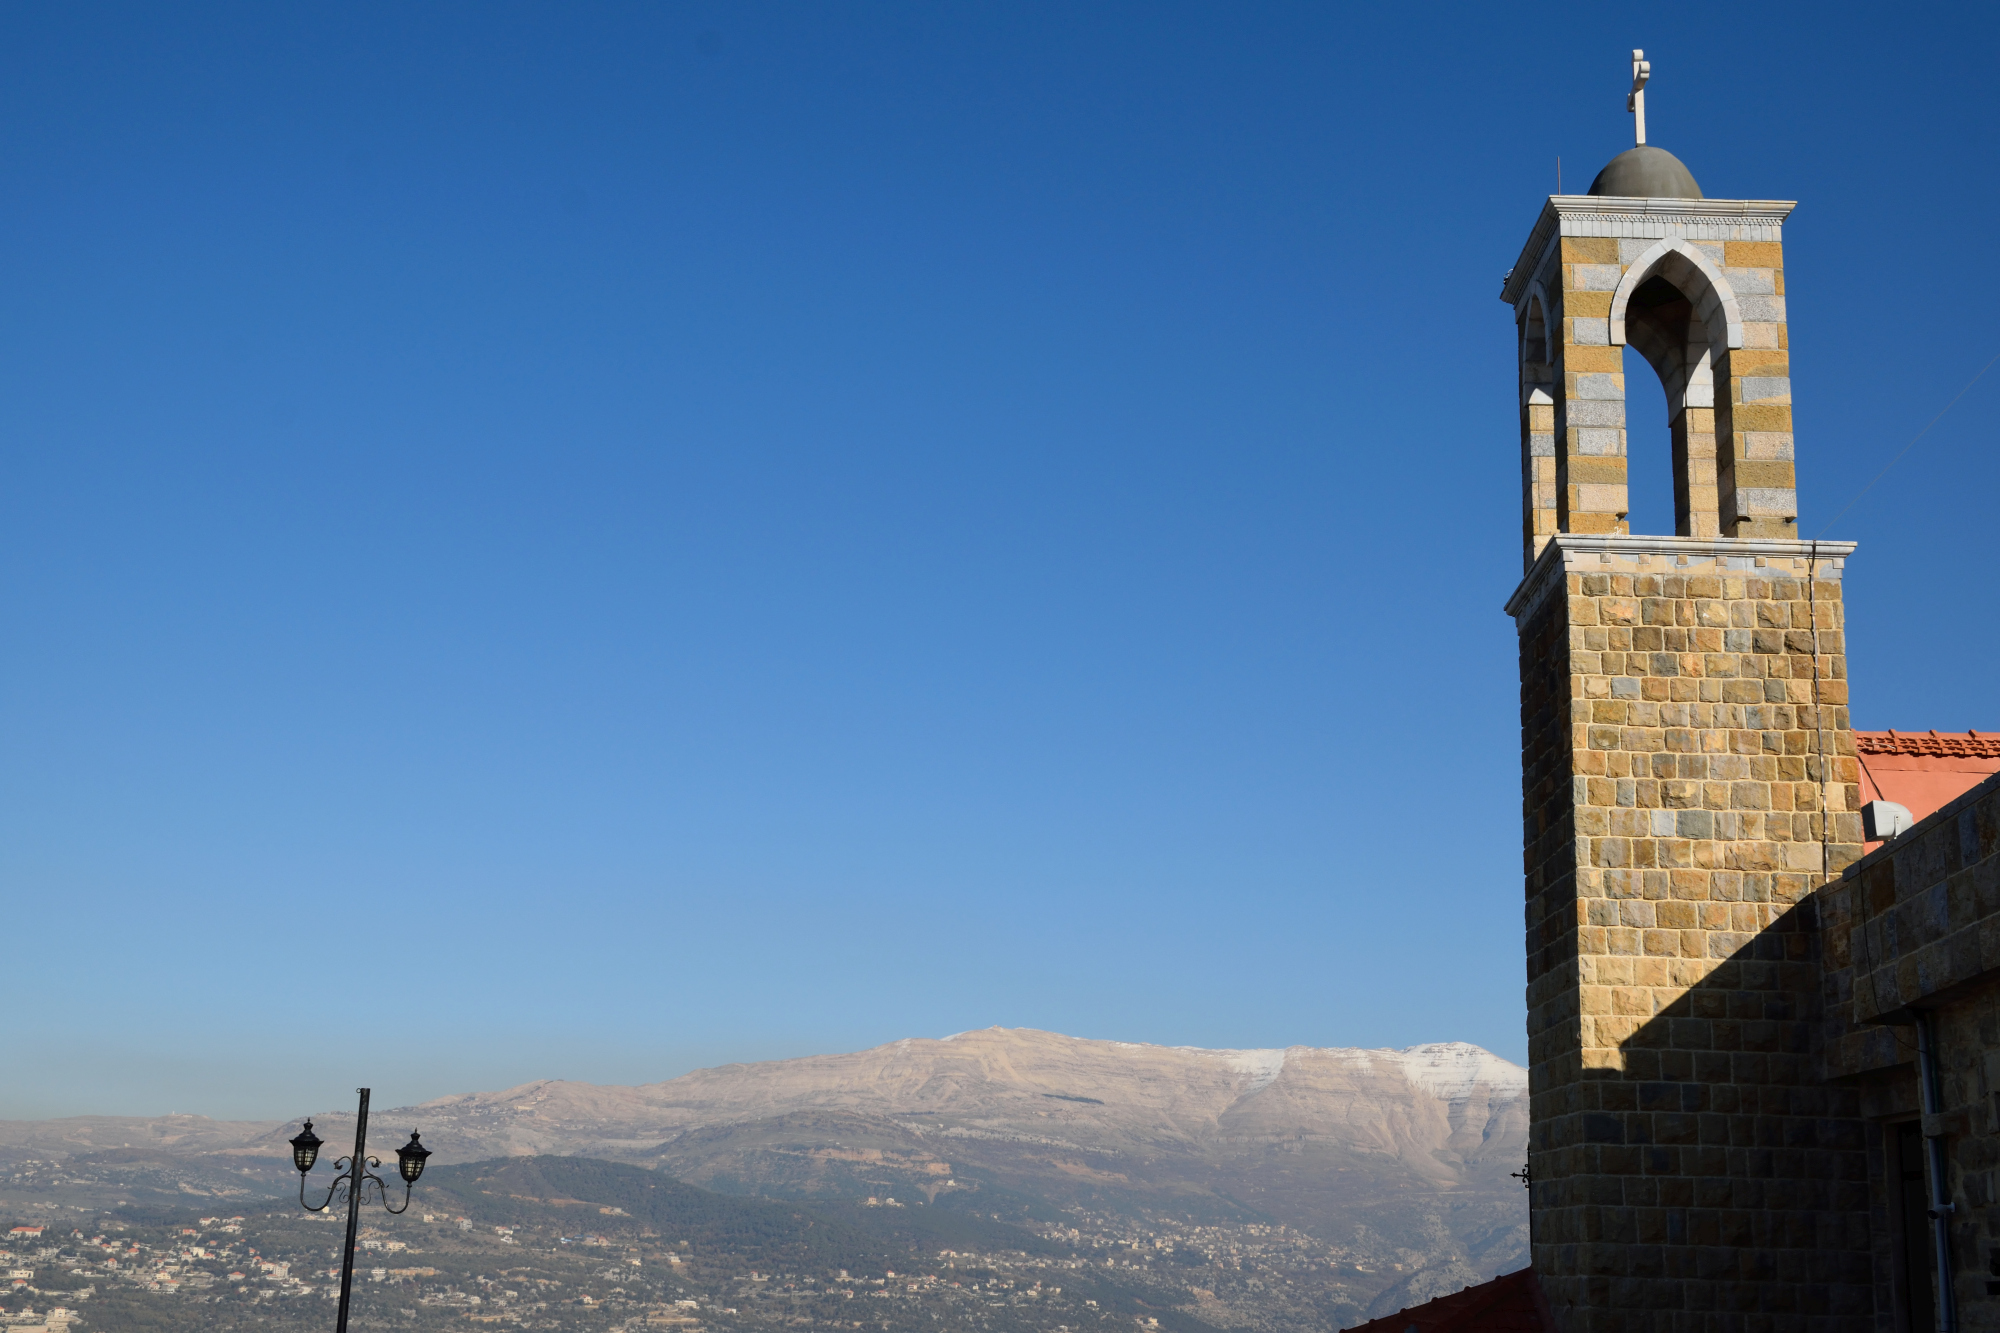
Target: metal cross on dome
x,y
1642,69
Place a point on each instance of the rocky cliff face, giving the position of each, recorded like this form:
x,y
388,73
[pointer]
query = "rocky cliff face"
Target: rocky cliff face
x,y
1403,1157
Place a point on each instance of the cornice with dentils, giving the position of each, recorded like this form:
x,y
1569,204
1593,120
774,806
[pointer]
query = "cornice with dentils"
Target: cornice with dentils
x,y
1768,212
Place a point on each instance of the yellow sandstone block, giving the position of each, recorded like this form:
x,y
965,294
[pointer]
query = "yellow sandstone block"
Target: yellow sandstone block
x,y
1632,1001
1590,250
1753,254
1663,943
1616,1030
1761,416
1759,361
1772,473
1593,360
1587,469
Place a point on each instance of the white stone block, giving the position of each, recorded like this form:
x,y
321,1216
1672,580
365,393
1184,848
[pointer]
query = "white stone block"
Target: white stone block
x,y
1773,445
1766,388
1767,502
1752,281
1590,332
1764,309
1579,412
1600,442
1601,499
1598,277
1601,387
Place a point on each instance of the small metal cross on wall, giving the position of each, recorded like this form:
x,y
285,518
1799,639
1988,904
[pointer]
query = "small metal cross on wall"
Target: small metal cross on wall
x,y
1642,69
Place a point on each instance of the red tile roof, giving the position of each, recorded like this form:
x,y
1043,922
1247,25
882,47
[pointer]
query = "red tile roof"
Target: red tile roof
x,y
1947,744
1510,1303
1924,771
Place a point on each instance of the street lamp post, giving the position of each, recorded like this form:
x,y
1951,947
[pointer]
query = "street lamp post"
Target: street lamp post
x,y
354,1177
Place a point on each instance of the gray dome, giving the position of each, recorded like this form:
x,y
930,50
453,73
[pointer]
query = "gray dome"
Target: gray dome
x,y
1646,172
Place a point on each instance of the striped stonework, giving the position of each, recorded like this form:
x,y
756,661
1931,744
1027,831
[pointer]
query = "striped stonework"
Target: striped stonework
x,y
1696,286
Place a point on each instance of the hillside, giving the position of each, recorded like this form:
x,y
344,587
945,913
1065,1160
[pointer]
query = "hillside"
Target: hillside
x,y
1397,1162
581,1245
1415,1145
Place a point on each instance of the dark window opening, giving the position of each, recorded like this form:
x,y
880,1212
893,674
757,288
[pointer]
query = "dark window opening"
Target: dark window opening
x,y
1919,1301
1535,340
1654,292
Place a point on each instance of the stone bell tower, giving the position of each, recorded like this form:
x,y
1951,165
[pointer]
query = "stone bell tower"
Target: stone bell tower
x,y
1688,779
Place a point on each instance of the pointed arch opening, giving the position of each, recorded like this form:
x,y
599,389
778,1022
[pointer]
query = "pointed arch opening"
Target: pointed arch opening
x,y
1682,263
1674,308
1536,323
1535,358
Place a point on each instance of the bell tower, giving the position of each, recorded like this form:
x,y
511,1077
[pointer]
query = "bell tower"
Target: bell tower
x,y
1688,779
1696,287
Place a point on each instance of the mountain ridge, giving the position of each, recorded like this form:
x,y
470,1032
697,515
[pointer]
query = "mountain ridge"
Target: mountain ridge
x,y
1013,1065
1400,1158
1449,1070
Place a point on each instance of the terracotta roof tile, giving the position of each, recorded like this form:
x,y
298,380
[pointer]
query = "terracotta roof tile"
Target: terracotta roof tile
x,y
1948,744
1510,1303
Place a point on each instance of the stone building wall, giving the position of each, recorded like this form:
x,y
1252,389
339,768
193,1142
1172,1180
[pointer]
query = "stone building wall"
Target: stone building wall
x,y
1916,926
1727,1134
1689,779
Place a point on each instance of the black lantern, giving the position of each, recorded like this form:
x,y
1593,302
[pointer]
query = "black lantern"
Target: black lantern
x,y
351,1176
305,1149
410,1158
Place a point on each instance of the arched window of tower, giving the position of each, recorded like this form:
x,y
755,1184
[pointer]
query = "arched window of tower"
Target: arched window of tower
x,y
1662,337
1674,311
1535,341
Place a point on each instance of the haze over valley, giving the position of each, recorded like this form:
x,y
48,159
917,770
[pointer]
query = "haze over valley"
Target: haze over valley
x,y
1293,1188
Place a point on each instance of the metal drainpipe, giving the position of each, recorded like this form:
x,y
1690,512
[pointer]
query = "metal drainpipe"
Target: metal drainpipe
x,y
1932,1090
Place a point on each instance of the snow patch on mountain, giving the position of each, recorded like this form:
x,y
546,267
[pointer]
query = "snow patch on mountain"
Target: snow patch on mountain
x,y
1450,1070
1263,1067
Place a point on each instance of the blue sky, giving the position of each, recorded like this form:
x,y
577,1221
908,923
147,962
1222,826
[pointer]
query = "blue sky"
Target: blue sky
x,y
587,541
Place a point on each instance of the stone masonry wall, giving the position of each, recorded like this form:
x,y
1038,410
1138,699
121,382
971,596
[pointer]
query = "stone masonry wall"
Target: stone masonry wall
x,y
1916,925
1555,1038
1691,1169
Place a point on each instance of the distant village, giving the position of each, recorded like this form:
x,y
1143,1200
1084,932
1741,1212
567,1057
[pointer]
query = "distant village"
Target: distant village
x,y
451,1268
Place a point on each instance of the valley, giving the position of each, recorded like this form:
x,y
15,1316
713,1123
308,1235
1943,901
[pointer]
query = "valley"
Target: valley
x,y
1003,1179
